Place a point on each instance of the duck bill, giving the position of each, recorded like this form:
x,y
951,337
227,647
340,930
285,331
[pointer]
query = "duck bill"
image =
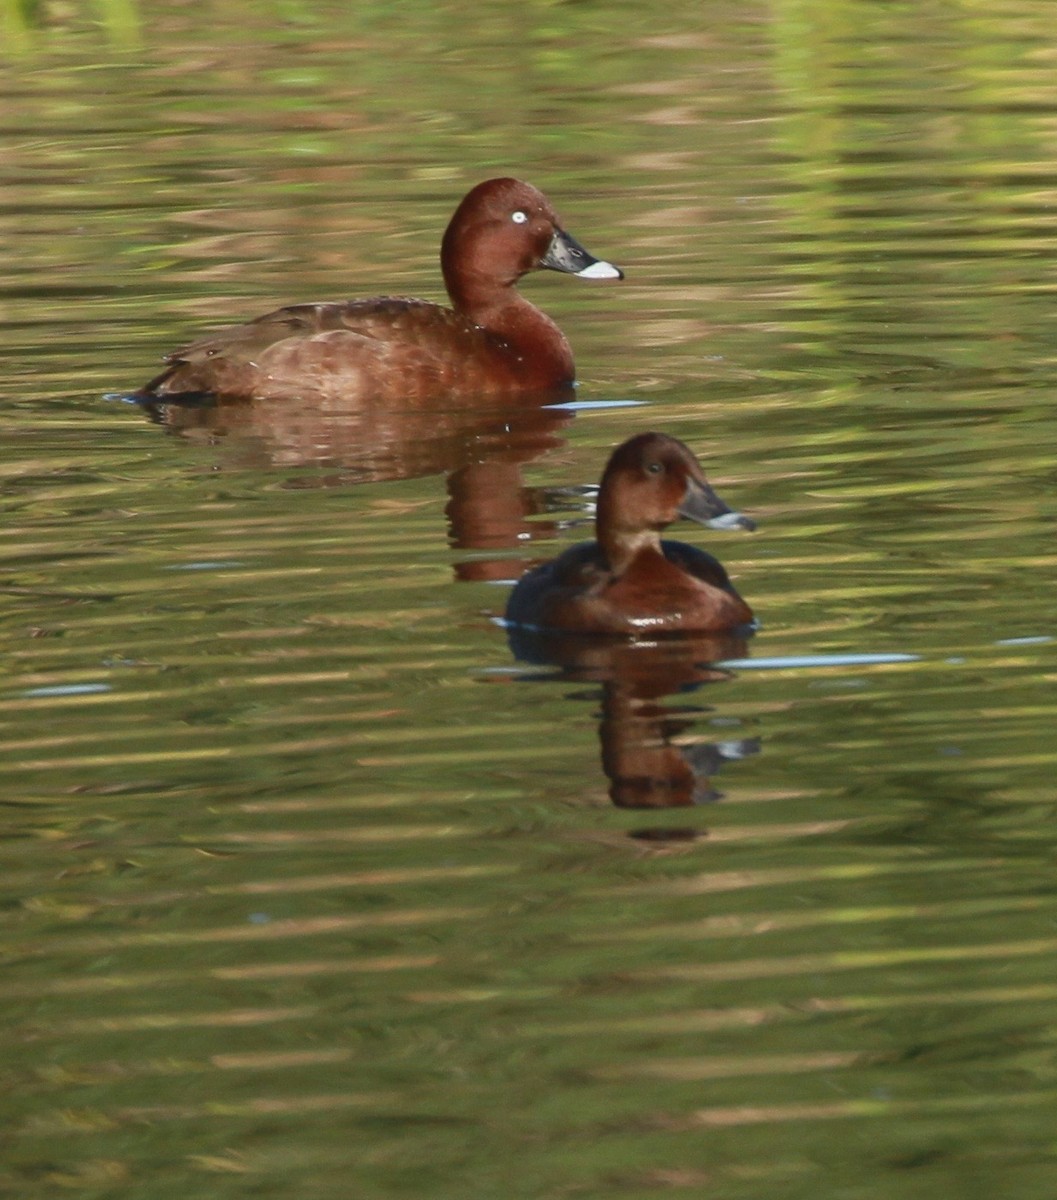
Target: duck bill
x,y
566,254
702,504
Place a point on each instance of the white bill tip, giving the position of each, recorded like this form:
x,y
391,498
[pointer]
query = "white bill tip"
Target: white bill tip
x,y
731,520
601,270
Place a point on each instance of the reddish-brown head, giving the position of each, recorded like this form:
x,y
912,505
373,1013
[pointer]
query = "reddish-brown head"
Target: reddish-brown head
x,y
650,481
502,229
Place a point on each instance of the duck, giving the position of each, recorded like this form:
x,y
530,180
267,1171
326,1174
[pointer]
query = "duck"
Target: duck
x,y
491,342
629,581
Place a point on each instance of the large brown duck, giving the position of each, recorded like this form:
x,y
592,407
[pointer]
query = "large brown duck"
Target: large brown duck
x,y
491,342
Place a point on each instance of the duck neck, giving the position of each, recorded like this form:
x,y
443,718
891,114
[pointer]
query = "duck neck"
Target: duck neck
x,y
496,305
623,545
534,336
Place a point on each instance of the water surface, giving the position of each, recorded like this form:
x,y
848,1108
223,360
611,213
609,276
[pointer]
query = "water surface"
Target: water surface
x,y
312,886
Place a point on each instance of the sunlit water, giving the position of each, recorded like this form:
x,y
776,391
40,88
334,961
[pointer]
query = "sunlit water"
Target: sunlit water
x,y
314,889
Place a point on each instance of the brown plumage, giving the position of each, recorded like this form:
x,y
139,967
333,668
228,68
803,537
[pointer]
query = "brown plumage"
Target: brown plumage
x,y
491,342
629,581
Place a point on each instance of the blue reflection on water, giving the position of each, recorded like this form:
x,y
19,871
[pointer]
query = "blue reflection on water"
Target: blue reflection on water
x,y
782,662
68,689
206,565
588,405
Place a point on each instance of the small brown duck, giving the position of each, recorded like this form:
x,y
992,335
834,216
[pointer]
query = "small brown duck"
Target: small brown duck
x,y
629,581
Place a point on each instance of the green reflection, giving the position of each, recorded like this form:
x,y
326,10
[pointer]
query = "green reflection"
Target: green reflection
x,y
47,26
306,892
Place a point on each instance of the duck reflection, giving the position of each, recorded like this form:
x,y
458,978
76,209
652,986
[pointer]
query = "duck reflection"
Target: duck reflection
x,y
481,450
649,753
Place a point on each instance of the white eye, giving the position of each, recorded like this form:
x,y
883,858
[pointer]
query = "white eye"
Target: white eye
x,y
519,218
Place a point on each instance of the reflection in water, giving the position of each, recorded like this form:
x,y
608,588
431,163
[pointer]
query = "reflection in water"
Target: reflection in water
x,y
841,226
481,448
367,443
647,757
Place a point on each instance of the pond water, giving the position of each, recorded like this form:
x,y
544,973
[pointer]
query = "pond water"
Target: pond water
x,y
312,888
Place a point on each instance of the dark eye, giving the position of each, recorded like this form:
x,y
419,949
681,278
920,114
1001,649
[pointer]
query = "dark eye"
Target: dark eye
x,y
654,468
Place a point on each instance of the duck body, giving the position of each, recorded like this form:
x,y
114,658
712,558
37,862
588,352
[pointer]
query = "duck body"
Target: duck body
x,y
490,342
674,589
630,581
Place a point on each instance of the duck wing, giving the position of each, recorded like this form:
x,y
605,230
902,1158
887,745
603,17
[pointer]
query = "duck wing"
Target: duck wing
x,y
380,319
698,563
541,592
340,349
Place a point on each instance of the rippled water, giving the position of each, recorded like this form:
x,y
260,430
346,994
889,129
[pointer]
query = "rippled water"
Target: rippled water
x,y
316,885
